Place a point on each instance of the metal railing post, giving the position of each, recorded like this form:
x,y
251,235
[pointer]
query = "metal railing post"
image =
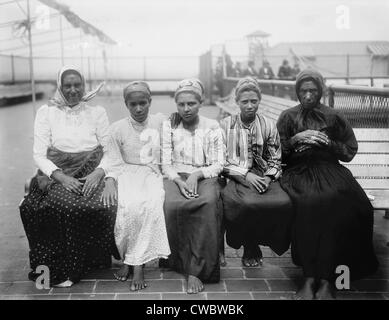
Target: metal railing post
x,y
331,99
13,69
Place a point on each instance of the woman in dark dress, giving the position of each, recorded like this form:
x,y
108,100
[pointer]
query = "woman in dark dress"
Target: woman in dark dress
x,y
69,230
256,210
192,158
334,218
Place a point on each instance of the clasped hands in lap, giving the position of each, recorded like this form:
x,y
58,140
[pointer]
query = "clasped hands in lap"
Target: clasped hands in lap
x,y
189,188
261,184
83,186
310,138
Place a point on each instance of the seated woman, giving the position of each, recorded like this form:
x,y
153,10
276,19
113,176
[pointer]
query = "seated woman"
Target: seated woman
x,y
334,218
256,209
133,155
192,158
68,229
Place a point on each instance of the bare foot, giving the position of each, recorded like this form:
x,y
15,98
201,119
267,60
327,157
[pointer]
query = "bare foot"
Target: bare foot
x,y
123,273
252,257
326,291
306,292
65,284
194,285
138,281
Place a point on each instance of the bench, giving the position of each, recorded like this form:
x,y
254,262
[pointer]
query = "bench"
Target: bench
x,y
14,94
370,165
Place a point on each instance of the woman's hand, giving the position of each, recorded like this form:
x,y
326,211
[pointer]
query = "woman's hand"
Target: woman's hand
x,y
311,137
184,188
261,184
69,183
91,181
192,182
110,195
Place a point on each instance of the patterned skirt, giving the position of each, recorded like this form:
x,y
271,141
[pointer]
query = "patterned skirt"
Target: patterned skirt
x,y
68,233
140,230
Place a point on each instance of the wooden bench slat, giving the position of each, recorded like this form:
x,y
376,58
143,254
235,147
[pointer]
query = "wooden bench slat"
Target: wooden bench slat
x,y
371,159
264,107
373,147
372,134
381,198
269,112
281,101
368,171
374,183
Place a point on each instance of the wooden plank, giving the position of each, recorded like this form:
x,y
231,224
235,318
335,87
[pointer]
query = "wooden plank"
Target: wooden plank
x,y
381,198
370,159
373,147
281,101
270,107
374,183
274,105
227,107
266,110
372,134
368,171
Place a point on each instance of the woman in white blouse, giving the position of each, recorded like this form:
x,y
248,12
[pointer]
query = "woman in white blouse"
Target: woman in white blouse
x,y
192,158
69,230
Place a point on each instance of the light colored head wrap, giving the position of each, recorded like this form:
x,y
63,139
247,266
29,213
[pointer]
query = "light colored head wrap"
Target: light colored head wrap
x,y
191,86
59,100
136,86
247,84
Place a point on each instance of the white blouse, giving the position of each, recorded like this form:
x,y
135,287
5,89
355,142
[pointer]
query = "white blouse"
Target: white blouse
x,y
133,143
187,152
77,129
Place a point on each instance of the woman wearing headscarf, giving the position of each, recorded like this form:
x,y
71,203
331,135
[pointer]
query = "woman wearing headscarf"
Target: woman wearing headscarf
x,y
334,218
69,230
192,158
256,209
133,158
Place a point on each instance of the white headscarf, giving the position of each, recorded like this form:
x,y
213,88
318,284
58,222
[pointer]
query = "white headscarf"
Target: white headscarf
x,y
59,100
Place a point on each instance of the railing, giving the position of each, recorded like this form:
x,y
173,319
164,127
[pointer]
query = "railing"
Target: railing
x,y
364,107
278,88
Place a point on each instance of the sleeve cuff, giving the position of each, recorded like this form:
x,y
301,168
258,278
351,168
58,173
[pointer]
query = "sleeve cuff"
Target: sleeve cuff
x,y
236,171
102,168
113,176
273,173
173,176
170,173
49,170
206,173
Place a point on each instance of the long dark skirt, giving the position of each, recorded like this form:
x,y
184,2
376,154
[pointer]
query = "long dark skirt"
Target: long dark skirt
x,y
69,233
252,218
334,220
193,228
